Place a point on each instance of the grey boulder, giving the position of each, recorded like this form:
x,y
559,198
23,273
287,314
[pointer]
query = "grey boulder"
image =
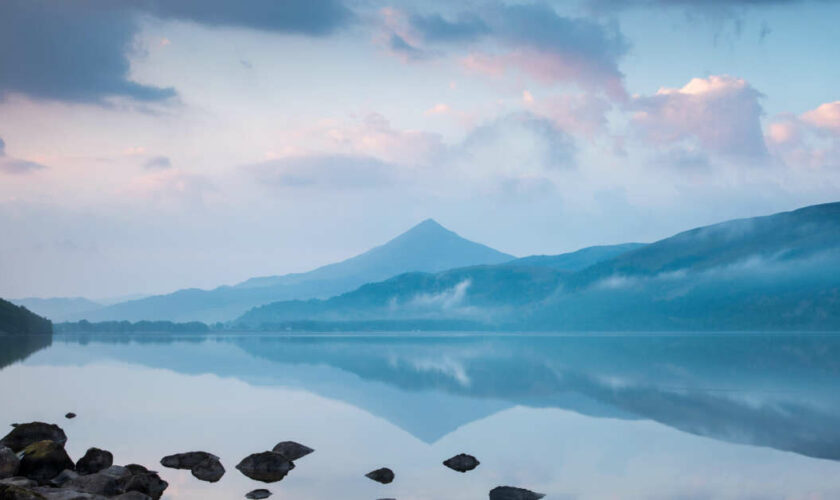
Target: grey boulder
x,y
43,461
292,450
209,470
462,462
9,463
258,494
512,493
383,475
23,435
267,466
94,461
204,466
186,460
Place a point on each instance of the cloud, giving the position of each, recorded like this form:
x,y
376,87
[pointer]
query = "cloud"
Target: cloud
x,y
324,171
80,50
719,114
810,140
158,162
399,46
825,117
536,40
306,17
584,113
435,27
15,166
69,51
517,145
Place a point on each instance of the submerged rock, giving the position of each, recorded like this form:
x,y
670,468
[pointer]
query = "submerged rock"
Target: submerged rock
x,y
9,463
24,435
267,466
383,475
70,415
292,450
258,494
43,461
512,493
209,469
462,462
94,461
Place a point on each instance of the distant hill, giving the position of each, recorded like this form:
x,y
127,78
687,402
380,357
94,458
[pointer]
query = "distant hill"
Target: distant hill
x,y
578,260
779,272
427,247
59,308
17,320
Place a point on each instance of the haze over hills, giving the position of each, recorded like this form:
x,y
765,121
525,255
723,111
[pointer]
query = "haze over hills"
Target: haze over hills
x,y
427,247
777,272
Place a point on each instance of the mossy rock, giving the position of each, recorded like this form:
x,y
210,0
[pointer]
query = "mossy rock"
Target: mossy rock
x,y
43,461
10,492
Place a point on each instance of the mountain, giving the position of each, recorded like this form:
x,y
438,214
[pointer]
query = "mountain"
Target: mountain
x,y
578,260
17,320
59,308
424,296
778,272
427,247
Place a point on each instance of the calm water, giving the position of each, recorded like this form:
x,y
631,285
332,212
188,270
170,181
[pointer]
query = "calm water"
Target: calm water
x,y
576,417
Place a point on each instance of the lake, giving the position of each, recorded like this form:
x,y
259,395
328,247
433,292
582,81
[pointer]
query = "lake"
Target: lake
x,y
659,416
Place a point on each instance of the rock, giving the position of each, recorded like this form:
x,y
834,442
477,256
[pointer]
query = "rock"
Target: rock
x,y
96,484
25,434
133,495
43,461
267,466
94,461
10,492
292,450
144,481
19,481
70,415
63,477
116,471
186,460
63,494
9,463
383,475
204,466
462,462
209,469
511,493
258,494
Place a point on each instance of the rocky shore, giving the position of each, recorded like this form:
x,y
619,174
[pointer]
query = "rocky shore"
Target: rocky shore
x,y
35,466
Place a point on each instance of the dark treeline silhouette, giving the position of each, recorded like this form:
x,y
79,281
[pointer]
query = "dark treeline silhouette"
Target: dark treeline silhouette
x,y
129,327
18,320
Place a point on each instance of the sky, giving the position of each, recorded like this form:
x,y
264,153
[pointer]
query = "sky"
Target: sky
x,y
150,145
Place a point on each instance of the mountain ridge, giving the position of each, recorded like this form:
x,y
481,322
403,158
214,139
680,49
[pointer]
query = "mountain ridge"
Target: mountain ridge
x,y
427,246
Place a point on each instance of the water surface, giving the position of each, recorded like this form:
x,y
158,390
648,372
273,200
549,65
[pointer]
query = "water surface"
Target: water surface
x,y
711,416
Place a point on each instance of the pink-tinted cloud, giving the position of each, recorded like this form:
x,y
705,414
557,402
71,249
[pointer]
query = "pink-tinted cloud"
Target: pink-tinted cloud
x,y
720,114
825,117
810,140
16,166
581,114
